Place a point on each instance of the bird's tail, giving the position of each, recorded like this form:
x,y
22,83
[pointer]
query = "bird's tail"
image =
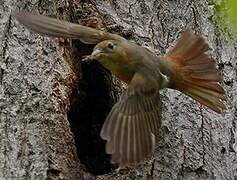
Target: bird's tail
x,y
194,73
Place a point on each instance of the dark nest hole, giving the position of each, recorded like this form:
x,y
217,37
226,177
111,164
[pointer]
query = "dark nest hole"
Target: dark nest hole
x,y
90,105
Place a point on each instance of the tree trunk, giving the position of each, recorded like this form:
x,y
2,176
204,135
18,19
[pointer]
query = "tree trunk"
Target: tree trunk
x,y
52,106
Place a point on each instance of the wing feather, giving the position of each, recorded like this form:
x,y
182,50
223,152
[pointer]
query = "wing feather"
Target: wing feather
x,y
59,28
130,126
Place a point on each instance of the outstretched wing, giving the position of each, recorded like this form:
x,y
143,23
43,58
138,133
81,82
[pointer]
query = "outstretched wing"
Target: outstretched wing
x,y
133,122
58,28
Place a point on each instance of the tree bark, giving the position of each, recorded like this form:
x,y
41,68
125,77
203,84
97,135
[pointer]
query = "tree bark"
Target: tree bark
x,y
52,106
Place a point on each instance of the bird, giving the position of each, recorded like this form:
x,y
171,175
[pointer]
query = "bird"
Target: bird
x,y
132,126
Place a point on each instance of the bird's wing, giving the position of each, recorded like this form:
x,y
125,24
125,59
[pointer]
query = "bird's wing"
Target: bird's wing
x,y
133,122
58,28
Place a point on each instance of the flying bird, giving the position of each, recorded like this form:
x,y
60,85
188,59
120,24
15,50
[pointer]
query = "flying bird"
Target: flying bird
x,y
132,125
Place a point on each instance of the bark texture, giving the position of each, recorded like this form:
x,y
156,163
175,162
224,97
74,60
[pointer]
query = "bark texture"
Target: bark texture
x,y
52,106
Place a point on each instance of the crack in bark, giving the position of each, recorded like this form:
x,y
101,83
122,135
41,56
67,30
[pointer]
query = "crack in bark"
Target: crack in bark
x,y
1,75
184,157
5,45
195,12
202,138
151,27
4,50
163,26
233,141
151,172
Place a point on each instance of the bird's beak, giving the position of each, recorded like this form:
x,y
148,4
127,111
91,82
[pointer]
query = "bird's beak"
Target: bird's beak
x,y
95,53
91,57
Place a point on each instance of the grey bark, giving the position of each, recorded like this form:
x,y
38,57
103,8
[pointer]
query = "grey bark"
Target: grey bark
x,y
38,77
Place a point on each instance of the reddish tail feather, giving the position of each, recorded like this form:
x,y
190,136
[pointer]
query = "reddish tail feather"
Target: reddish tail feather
x,y
194,72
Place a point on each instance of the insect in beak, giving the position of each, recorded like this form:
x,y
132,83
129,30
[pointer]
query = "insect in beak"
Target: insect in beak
x,y
86,59
95,53
92,57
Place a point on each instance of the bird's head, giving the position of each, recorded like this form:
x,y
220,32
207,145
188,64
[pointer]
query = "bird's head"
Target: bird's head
x,y
110,54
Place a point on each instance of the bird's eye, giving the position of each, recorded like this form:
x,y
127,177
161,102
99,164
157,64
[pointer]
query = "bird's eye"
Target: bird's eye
x,y
110,45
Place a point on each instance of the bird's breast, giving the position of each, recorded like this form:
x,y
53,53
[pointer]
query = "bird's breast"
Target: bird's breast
x,y
124,73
